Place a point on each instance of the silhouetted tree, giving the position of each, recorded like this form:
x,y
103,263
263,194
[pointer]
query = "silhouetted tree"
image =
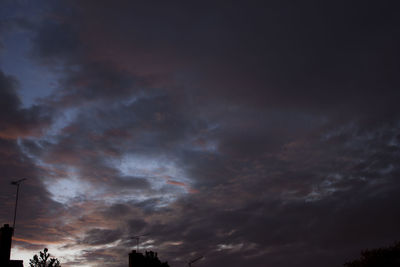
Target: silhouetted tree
x,y
381,257
44,260
149,259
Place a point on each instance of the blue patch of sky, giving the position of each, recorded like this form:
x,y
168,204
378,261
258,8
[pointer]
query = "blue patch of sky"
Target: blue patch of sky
x,y
35,81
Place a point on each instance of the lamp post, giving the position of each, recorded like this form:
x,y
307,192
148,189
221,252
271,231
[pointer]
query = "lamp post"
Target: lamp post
x,y
17,183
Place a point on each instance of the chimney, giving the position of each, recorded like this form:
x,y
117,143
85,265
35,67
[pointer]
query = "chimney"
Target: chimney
x,y
5,244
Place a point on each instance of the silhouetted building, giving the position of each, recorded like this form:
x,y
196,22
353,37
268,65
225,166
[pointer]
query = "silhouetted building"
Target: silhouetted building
x,y
150,259
5,244
6,233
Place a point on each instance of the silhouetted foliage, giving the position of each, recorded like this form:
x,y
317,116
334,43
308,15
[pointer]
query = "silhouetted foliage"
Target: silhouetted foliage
x,y
44,260
150,259
381,257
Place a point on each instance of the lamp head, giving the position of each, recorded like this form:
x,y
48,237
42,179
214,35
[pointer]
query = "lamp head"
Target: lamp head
x,y
18,182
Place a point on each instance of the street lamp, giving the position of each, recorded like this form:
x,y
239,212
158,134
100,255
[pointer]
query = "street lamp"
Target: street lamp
x,y
17,183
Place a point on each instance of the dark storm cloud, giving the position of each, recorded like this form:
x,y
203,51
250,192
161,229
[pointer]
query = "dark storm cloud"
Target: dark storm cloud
x,y
283,117
300,58
15,120
306,55
60,44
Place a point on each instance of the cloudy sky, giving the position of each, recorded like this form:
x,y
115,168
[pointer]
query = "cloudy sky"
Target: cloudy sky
x,y
255,133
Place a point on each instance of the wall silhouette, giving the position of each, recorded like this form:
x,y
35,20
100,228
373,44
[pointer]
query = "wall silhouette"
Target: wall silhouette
x,y
6,233
5,244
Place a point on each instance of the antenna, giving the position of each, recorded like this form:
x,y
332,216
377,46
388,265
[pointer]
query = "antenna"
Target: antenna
x,y
137,237
17,183
194,260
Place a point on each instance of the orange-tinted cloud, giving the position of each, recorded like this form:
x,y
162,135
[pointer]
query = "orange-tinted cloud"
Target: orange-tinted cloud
x,y
186,186
36,242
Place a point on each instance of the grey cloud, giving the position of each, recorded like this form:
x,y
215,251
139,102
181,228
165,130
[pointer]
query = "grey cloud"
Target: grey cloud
x,y
17,121
298,101
100,236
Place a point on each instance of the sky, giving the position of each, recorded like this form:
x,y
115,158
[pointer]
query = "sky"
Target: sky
x,y
253,133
